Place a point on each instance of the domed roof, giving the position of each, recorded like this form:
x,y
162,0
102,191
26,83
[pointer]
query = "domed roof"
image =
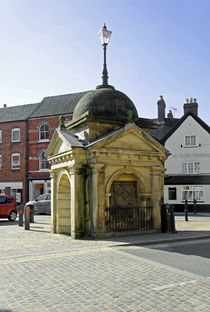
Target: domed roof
x,y
107,103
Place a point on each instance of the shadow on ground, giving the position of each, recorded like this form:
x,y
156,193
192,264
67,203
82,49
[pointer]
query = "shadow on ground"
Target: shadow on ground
x,y
200,248
6,222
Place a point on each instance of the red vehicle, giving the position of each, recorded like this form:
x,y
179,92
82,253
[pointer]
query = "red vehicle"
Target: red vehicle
x,y
8,207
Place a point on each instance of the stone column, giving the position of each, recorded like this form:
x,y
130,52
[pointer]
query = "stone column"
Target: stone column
x,y
156,196
77,201
53,176
96,199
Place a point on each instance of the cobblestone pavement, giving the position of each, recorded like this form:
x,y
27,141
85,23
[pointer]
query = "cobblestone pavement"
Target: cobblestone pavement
x,y
45,272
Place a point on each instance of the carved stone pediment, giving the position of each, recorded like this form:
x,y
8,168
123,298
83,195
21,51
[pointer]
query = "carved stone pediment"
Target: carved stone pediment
x,y
130,138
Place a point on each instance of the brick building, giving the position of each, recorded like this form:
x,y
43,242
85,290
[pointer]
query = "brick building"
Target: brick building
x,y
25,132
14,151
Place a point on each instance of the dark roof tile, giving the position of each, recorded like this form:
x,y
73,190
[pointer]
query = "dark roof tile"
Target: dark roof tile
x,y
72,139
57,105
17,113
49,106
165,131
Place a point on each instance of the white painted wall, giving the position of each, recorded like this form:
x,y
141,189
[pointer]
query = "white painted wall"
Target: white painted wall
x,y
188,154
206,195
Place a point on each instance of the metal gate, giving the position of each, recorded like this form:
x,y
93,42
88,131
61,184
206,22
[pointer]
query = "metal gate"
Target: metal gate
x,y
124,214
129,219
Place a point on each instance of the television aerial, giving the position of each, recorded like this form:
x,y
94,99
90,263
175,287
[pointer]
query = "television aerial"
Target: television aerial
x,y
174,109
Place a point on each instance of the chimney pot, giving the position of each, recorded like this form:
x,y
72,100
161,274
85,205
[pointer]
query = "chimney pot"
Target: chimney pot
x,y
192,106
5,105
170,115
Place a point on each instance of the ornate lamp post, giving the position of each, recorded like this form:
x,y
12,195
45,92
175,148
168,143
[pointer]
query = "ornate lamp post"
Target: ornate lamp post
x,y
104,36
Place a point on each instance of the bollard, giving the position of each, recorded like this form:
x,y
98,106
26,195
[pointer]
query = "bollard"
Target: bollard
x,y
32,214
20,217
27,217
186,210
173,220
167,219
195,206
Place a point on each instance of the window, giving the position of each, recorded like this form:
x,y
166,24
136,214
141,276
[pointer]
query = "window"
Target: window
x,y
172,193
0,161
3,200
6,200
190,140
16,135
17,193
16,161
43,162
44,132
0,136
191,168
43,197
192,192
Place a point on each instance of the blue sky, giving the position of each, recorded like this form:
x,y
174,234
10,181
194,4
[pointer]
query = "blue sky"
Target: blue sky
x,y
158,47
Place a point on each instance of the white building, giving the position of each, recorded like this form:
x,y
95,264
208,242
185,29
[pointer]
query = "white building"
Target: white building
x,y
188,166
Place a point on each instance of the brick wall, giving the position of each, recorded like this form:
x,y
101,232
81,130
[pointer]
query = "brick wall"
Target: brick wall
x,y
29,153
7,148
36,146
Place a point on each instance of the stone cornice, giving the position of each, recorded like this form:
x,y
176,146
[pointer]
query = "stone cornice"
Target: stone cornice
x,y
66,157
120,155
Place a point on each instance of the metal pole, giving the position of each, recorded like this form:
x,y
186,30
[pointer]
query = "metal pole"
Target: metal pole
x,y
105,72
186,210
195,206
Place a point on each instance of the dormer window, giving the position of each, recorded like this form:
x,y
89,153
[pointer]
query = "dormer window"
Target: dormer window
x,y
190,140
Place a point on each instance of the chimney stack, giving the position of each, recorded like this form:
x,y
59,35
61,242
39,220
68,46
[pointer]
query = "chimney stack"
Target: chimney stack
x,y
191,105
170,115
161,110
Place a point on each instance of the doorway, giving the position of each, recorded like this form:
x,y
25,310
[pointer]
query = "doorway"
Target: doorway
x,y
64,206
126,212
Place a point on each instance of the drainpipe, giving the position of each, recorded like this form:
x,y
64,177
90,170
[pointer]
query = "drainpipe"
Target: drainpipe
x,y
26,163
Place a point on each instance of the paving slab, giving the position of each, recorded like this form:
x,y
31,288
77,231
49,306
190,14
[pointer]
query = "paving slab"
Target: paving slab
x,y
45,272
40,236
94,279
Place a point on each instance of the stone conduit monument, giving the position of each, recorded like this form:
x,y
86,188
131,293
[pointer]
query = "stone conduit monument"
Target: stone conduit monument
x,y
107,172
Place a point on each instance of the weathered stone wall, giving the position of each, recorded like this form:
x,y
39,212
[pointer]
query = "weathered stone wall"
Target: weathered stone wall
x,y
128,155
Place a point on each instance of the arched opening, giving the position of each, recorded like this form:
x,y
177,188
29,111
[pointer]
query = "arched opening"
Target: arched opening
x,y
64,205
128,210
44,132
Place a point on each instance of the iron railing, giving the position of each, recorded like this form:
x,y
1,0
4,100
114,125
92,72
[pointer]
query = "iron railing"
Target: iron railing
x,y
129,219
